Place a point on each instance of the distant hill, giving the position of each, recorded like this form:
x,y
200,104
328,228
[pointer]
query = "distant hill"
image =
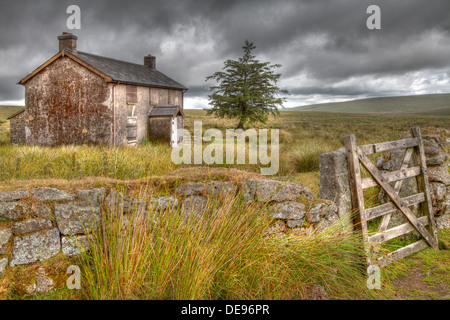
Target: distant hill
x,y
6,111
430,104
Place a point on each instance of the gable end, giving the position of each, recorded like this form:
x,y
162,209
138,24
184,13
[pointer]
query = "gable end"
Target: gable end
x,y
61,54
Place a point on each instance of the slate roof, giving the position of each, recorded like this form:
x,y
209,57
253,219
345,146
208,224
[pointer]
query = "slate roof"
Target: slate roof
x,y
165,111
15,114
127,72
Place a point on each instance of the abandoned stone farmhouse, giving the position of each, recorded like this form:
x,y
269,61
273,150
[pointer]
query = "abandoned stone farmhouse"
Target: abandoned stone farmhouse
x,y
77,98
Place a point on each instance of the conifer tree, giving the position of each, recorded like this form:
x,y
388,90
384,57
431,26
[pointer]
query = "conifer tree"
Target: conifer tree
x,y
247,90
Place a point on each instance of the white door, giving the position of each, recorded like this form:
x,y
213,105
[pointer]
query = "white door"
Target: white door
x,y
180,126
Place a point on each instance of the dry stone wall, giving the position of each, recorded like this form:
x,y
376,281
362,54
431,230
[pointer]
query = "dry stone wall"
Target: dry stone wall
x,y
39,224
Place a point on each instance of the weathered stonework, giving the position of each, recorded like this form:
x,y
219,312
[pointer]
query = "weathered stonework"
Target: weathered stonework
x,y
5,235
92,197
147,98
265,190
80,98
17,129
218,188
191,189
443,221
36,239
322,210
36,247
72,246
12,210
65,105
439,174
51,194
290,210
42,211
164,203
334,180
291,191
73,219
30,226
3,264
44,283
7,196
262,189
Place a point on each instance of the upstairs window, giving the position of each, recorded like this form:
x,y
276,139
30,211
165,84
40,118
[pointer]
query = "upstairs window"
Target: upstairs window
x,y
131,94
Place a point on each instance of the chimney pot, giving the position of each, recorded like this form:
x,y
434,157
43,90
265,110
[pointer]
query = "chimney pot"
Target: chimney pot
x,y
150,61
67,40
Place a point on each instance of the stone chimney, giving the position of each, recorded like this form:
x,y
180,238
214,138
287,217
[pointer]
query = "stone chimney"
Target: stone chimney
x,y
150,61
67,40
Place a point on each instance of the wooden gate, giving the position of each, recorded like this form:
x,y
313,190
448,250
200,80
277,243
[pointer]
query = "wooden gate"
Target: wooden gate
x,y
359,154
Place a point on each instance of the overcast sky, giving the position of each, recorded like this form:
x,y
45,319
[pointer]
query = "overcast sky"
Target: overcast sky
x,y
326,51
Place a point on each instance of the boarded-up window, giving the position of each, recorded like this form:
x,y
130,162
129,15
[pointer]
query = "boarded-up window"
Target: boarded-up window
x,y
163,96
131,94
174,96
154,96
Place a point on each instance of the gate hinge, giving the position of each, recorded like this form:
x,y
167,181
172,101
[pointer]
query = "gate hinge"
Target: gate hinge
x,y
424,170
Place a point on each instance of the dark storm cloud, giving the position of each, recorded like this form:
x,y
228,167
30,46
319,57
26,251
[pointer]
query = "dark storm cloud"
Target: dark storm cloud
x,y
328,91
198,91
324,46
10,91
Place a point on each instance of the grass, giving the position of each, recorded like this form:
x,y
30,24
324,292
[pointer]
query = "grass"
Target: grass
x,y
6,111
218,254
303,137
210,263
431,104
75,162
15,281
223,252
423,275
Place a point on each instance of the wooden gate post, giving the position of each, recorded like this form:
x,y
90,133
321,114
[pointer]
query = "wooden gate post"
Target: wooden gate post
x,y
426,206
360,222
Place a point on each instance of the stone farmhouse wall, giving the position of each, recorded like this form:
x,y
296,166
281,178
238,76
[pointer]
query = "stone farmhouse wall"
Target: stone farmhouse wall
x,y
334,179
17,129
67,103
39,224
146,99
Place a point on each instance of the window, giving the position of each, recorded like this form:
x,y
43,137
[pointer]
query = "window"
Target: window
x,y
131,94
